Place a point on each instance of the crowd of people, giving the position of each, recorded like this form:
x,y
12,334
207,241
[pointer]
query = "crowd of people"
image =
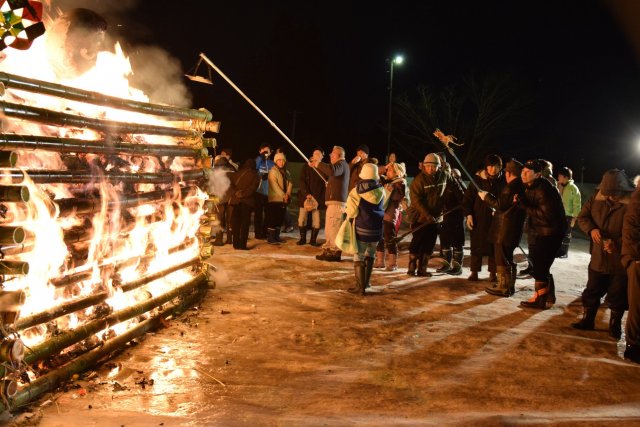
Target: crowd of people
x,y
363,204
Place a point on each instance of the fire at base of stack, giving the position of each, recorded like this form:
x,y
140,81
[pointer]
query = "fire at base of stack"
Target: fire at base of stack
x,y
105,220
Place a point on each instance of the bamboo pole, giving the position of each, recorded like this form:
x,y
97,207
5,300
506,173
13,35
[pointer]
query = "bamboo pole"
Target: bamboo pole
x,y
104,146
81,363
16,268
11,235
87,301
8,159
42,115
38,86
83,177
14,193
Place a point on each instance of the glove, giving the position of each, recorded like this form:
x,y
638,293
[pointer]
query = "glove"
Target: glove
x,y
470,222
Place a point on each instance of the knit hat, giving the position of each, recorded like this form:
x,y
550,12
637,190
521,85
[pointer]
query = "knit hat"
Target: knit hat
x,y
514,167
400,169
535,165
614,183
364,148
432,158
279,156
369,171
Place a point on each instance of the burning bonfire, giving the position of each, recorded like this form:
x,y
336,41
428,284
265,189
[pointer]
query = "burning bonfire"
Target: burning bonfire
x,y
103,224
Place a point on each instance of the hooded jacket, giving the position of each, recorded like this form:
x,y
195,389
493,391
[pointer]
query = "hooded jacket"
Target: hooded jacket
x,y
570,198
631,231
365,204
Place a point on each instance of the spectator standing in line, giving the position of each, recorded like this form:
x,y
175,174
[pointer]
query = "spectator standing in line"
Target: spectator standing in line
x,y
365,207
362,156
263,166
311,199
631,262
571,199
242,198
396,192
280,188
601,219
335,199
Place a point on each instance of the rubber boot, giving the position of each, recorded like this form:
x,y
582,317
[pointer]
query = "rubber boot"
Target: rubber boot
x,y
379,263
303,236
552,291
493,277
359,270
447,255
218,241
271,236
512,279
615,324
473,277
313,241
423,261
392,262
278,239
368,268
456,264
632,353
335,256
501,287
413,263
229,237
324,256
539,298
588,321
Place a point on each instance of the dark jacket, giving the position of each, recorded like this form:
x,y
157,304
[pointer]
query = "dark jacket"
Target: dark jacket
x,y
607,216
481,212
508,218
338,184
545,212
244,184
354,173
631,231
426,197
453,200
311,183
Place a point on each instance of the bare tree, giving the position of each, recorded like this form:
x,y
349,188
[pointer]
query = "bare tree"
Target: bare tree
x,y
480,112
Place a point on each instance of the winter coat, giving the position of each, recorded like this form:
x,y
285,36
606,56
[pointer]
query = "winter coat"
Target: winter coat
x,y
545,212
244,184
453,199
508,219
631,231
365,204
338,184
395,193
279,185
263,166
481,213
354,173
311,183
607,216
570,199
427,202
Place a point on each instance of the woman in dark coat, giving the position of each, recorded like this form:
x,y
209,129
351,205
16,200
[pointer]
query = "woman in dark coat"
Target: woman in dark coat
x,y
479,215
241,196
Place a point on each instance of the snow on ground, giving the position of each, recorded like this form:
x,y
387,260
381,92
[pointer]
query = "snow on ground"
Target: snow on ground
x,y
279,342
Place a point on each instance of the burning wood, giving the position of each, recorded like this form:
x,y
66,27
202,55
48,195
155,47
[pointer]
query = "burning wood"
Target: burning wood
x,y
102,226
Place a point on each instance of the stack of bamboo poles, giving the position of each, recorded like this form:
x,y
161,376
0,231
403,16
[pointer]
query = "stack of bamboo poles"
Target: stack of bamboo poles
x,y
20,378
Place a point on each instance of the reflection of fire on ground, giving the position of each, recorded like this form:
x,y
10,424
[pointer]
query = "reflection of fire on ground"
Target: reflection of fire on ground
x,y
101,216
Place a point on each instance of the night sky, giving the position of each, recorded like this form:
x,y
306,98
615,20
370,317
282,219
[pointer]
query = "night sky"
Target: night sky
x,y
327,63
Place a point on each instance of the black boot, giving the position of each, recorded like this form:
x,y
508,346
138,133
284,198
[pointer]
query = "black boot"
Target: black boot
x,y
229,240
368,268
360,273
632,352
447,255
512,279
552,290
456,264
413,264
218,241
324,256
615,324
473,277
313,241
539,298
303,236
335,255
588,321
271,236
423,261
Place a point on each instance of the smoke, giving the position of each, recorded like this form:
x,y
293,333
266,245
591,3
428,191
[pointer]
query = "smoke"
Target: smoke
x,y
218,182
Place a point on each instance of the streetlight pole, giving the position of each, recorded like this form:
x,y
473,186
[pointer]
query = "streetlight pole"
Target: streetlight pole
x,y
397,60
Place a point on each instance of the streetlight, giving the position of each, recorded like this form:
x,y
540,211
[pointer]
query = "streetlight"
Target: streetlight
x,y
395,61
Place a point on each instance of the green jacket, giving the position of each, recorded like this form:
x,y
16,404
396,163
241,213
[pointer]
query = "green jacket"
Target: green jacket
x,y
571,199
